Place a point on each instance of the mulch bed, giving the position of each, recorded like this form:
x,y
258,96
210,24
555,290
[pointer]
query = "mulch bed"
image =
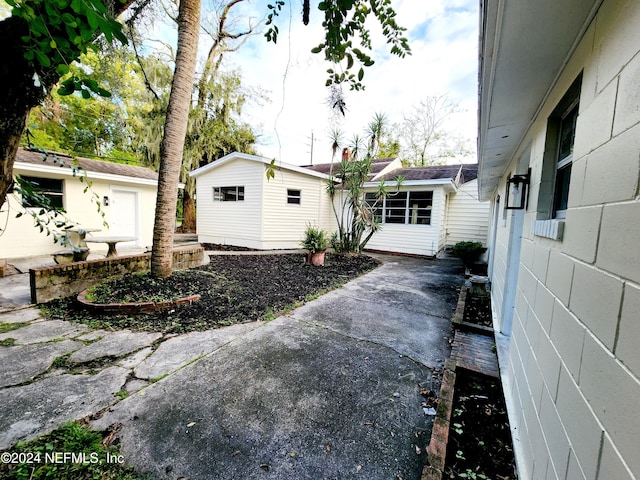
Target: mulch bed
x,y
480,445
233,289
224,248
477,309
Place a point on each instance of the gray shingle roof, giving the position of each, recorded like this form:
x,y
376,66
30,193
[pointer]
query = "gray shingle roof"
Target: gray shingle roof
x,y
435,172
377,165
98,166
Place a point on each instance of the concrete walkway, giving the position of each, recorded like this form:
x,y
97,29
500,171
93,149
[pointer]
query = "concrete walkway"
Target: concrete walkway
x,y
330,390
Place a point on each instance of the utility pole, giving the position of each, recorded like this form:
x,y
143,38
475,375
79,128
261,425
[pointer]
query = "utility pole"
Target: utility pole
x,y
311,147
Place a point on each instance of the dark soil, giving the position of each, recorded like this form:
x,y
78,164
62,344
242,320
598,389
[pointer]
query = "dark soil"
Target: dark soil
x,y
477,309
233,289
480,443
224,248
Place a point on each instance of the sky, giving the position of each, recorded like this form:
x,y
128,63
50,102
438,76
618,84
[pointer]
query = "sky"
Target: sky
x,y
442,34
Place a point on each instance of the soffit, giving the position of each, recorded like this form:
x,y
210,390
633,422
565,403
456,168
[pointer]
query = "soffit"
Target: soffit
x,y
524,47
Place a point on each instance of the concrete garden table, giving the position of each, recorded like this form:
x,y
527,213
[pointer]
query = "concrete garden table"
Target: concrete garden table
x,y
111,241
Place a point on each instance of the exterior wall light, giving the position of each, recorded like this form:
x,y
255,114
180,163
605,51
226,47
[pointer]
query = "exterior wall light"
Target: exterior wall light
x,y
518,191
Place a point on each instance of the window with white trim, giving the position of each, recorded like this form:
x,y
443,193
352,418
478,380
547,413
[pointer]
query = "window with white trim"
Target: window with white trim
x,y
558,156
409,208
51,189
228,194
564,160
294,197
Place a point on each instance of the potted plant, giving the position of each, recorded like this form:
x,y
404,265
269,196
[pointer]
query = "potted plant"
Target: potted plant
x,y
469,252
315,241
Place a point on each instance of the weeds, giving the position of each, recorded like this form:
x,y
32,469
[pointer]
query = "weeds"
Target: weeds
x,y
71,452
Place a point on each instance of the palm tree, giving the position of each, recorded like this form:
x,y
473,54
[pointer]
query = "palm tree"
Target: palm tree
x,y
175,131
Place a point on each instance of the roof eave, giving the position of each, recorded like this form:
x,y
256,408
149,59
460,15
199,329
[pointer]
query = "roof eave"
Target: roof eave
x,y
524,48
93,175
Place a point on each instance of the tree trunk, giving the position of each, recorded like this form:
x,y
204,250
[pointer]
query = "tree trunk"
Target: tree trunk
x,y
188,209
175,131
19,95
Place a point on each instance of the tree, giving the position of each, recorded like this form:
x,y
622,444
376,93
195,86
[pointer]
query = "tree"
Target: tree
x,y
355,212
424,135
40,40
213,131
175,130
43,38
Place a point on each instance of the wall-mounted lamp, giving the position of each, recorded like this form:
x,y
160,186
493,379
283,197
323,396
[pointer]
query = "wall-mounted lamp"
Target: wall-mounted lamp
x,y
518,191
105,201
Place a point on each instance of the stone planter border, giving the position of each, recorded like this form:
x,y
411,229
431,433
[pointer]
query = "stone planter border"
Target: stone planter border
x,y
131,308
458,316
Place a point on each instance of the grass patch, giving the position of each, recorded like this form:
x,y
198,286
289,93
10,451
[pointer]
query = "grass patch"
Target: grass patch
x,y
43,458
7,327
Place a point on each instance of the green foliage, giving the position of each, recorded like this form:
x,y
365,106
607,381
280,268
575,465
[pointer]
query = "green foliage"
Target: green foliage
x,y
59,32
469,252
355,215
125,127
47,217
343,21
74,438
315,239
7,327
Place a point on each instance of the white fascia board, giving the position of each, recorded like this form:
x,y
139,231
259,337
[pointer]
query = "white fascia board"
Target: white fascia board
x,y
91,175
416,183
226,159
254,158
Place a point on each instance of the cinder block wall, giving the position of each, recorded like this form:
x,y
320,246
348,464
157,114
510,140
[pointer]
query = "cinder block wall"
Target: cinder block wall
x,y
58,281
574,357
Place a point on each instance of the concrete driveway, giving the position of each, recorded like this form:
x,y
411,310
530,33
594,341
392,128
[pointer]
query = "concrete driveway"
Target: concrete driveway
x,y
330,391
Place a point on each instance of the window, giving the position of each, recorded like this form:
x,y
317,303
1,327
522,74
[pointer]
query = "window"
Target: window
x,y
413,208
395,208
228,194
294,196
420,208
558,158
566,139
49,188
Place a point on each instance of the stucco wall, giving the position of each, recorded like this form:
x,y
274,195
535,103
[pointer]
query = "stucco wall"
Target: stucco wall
x,y
20,238
573,376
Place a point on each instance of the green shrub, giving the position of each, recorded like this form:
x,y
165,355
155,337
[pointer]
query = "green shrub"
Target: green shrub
x,y
469,252
314,240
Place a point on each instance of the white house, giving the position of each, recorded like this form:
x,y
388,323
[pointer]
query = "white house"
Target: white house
x,y
435,207
127,194
560,104
239,205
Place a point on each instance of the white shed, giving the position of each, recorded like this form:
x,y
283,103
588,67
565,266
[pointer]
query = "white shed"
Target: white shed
x,y
239,205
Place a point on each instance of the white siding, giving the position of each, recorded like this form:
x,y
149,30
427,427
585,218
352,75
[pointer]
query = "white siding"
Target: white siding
x,y
284,223
573,379
231,223
21,238
412,239
467,218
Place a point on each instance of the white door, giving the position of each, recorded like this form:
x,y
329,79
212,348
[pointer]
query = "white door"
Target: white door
x,y
124,215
